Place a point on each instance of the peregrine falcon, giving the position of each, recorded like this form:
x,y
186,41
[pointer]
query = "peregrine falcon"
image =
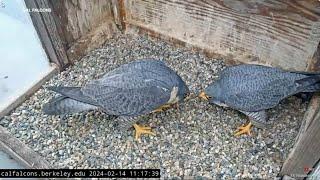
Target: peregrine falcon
x,y
137,88
251,89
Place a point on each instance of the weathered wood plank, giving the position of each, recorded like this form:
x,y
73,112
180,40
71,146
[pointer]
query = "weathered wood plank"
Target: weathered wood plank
x,y
79,17
306,151
49,37
85,25
115,10
314,62
20,152
118,11
94,39
54,34
278,33
122,14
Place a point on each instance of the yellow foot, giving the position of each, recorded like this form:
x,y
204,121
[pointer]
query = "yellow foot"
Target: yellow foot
x,y
142,130
157,110
176,105
244,130
162,108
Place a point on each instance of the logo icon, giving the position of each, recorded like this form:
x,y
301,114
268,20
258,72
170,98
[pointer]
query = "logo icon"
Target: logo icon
x,y
307,169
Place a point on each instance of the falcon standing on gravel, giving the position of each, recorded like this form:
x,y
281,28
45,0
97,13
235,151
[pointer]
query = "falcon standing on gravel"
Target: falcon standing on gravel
x,y
133,89
251,89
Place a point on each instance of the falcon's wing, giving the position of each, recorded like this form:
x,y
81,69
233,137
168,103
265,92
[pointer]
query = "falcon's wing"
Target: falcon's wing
x,y
128,102
258,96
133,91
255,87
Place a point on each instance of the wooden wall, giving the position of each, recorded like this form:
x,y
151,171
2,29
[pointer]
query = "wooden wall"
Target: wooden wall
x,y
73,27
273,32
84,25
78,17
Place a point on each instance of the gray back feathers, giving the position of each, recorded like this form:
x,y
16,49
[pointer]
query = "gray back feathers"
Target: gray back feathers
x,y
255,87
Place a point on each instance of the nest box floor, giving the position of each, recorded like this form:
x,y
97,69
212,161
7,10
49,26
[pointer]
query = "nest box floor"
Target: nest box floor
x,y
196,140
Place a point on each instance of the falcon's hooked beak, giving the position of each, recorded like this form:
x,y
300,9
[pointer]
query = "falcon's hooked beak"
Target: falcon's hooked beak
x,y
204,96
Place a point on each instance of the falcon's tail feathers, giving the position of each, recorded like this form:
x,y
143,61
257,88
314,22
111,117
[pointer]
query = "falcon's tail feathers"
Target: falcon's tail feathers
x,y
309,84
312,88
64,105
72,92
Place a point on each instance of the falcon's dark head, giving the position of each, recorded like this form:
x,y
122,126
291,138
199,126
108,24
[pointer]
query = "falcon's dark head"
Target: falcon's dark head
x,y
211,92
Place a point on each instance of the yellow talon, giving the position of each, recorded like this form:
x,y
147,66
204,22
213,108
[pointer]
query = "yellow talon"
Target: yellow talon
x,y
176,105
142,130
245,129
166,106
162,108
203,96
157,110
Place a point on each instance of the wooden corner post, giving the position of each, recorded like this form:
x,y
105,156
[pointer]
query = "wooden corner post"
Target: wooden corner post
x,y
305,154
45,25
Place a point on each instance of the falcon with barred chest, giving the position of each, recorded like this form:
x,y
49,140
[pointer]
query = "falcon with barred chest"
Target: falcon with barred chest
x,y
137,88
251,89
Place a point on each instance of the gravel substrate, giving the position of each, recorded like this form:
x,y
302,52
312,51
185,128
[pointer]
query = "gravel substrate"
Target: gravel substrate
x,y
194,140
